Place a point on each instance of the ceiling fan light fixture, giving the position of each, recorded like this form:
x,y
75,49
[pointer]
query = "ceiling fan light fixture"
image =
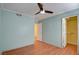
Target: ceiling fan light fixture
x,y
42,12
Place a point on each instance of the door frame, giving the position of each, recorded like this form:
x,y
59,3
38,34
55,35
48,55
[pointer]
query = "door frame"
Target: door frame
x,y
65,35
63,28
64,39
78,35
38,31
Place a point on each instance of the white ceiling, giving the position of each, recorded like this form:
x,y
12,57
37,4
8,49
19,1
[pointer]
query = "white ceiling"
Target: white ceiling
x,y
32,8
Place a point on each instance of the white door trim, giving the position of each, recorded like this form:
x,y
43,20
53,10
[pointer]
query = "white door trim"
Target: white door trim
x,y
64,32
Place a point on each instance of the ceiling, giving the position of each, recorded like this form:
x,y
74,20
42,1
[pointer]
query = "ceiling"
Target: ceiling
x,y
32,8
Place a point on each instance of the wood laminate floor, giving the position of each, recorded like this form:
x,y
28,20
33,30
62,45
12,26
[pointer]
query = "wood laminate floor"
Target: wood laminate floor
x,y
41,48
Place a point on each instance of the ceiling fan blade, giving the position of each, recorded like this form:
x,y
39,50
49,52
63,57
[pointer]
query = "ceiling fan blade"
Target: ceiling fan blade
x,y
40,6
48,11
37,13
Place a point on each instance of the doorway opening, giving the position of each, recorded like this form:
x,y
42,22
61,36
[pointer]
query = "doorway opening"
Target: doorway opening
x,y
70,33
38,33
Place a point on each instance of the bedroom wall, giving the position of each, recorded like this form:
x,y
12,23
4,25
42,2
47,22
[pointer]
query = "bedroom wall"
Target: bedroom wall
x,y
52,28
52,31
0,29
18,31
0,24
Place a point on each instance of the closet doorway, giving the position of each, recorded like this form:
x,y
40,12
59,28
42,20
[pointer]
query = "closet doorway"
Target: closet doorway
x,y
70,33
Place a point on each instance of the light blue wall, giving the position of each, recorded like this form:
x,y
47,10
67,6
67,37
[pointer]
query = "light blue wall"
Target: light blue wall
x,y
0,29
52,27
18,31
52,31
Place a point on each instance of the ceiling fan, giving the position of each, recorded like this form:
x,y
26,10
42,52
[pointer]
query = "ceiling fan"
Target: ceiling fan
x,y
42,11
